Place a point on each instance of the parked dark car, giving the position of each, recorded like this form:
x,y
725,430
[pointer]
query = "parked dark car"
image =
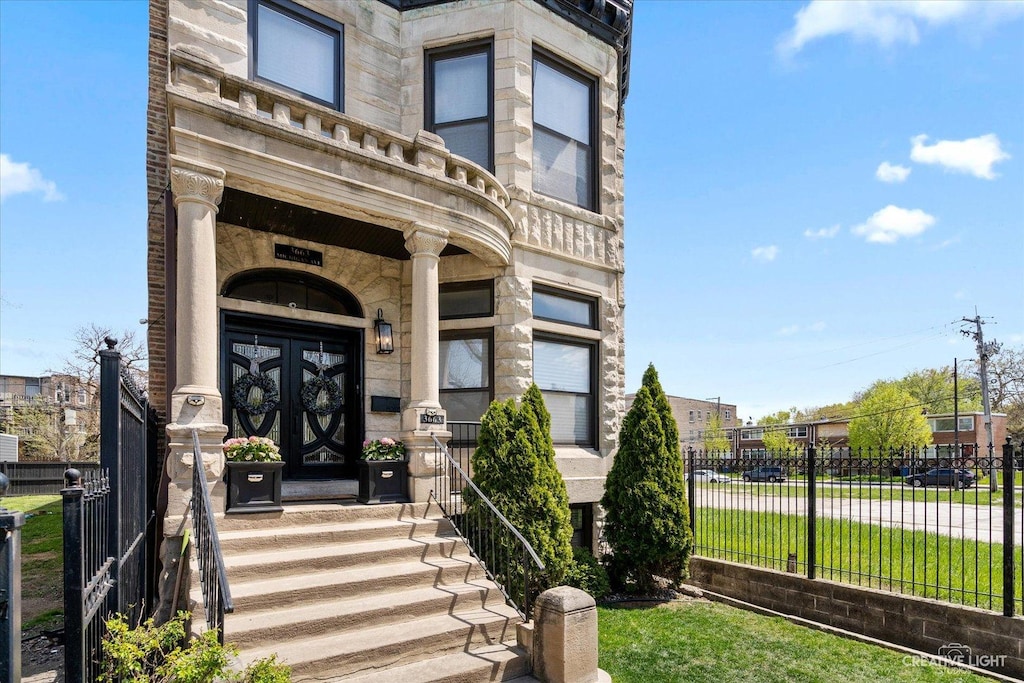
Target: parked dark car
x,y
943,476
772,474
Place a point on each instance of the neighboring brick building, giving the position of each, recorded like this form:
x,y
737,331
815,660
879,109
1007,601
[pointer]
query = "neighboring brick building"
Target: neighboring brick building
x,y
694,416
71,411
835,433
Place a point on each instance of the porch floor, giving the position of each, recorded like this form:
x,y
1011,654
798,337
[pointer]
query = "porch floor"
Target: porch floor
x,y
299,490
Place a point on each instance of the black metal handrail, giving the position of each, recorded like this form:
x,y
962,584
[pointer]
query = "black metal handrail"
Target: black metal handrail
x,y
503,551
213,578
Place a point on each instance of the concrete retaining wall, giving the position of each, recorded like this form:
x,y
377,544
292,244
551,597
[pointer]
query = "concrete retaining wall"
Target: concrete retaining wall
x,y
996,642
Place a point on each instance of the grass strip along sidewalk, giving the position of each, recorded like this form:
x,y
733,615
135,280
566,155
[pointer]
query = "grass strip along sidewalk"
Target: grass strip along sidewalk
x,y
706,642
925,564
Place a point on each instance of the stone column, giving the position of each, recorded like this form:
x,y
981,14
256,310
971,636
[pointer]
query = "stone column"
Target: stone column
x,y
197,189
423,416
196,401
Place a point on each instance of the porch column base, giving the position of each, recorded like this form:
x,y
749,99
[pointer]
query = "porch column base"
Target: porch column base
x,y
423,462
178,475
195,404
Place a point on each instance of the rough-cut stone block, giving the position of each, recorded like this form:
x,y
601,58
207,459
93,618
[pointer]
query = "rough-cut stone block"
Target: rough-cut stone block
x,y
565,636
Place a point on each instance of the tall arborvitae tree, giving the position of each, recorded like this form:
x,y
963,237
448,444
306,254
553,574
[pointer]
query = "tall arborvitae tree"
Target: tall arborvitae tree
x,y
647,520
514,466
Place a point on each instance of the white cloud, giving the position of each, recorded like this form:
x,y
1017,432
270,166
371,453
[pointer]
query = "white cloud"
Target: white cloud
x,y
893,223
973,155
888,22
790,330
824,233
960,295
945,244
765,254
21,178
889,173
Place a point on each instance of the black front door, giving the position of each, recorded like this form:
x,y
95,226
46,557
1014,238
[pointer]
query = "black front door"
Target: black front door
x,y
298,385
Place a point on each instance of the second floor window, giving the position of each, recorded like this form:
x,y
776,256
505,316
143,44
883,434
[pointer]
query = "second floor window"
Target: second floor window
x,y
459,100
297,49
563,133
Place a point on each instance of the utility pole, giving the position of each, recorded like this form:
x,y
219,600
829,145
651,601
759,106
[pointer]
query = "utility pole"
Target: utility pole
x,y
956,414
985,351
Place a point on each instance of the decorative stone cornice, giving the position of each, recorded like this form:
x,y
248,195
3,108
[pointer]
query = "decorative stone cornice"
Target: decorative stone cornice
x,y
193,181
425,240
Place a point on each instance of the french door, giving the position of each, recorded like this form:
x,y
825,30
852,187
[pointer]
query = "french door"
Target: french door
x,y
298,385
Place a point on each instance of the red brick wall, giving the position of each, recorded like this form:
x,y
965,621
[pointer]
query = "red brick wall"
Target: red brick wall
x,y
157,179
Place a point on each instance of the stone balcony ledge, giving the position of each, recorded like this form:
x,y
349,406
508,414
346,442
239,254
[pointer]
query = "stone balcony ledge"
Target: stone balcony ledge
x,y
225,117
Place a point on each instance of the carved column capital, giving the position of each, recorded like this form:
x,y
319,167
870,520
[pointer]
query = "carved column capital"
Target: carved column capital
x,y
192,181
425,240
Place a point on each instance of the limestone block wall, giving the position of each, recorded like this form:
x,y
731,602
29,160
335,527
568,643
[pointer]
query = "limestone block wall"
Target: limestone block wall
x,y
374,281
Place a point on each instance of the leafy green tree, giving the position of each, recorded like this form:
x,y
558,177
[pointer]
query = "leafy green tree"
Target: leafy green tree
x,y
1006,377
715,439
514,466
932,388
776,439
647,519
889,418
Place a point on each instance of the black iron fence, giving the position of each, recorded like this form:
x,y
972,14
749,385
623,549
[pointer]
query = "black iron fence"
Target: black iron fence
x,y
109,522
42,478
213,577
508,558
945,525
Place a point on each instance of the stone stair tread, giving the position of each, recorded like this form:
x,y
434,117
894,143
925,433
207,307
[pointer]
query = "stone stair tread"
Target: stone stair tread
x,y
286,618
363,647
284,530
472,665
306,514
382,546
336,579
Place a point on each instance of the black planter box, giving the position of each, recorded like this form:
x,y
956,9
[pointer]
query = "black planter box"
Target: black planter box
x,y
253,486
383,481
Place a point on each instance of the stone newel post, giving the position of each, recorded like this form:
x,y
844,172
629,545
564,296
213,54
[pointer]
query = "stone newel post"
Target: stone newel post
x,y
196,401
423,415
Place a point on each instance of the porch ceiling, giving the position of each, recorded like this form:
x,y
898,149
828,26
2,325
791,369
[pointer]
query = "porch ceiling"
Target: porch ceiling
x,y
282,218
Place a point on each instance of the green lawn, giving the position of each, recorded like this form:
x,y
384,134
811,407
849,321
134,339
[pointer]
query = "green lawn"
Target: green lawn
x,y
42,559
709,642
925,564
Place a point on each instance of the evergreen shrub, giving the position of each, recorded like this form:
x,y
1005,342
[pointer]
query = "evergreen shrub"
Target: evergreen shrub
x,y
587,574
647,520
514,466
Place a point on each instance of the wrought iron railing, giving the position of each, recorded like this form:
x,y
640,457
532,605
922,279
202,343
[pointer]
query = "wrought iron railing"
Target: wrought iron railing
x,y
89,570
213,577
109,522
507,557
923,523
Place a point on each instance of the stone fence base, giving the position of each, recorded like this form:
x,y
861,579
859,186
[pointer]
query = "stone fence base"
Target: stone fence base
x,y
986,639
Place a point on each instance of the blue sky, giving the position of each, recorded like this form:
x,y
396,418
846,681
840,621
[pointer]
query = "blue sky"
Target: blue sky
x,y
816,193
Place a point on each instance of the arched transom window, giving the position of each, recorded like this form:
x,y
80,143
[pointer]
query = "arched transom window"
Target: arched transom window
x,y
294,290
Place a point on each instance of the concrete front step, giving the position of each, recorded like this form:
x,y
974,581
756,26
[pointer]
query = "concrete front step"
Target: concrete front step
x,y
253,628
289,591
277,536
308,514
367,650
503,662
296,561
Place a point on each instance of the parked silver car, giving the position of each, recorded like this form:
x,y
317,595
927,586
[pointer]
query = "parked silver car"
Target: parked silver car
x,y
709,476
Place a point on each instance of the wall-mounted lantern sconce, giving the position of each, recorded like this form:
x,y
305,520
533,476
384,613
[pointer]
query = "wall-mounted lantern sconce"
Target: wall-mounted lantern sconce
x,y
385,340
